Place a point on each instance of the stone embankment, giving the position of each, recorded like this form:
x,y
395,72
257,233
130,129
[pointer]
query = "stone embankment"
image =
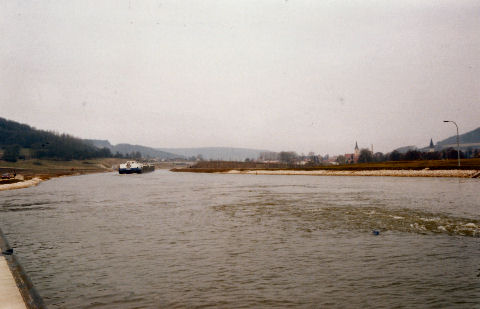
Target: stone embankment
x,y
10,296
16,288
395,173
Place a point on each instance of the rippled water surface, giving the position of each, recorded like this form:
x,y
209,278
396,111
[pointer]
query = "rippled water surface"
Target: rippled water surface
x,y
175,240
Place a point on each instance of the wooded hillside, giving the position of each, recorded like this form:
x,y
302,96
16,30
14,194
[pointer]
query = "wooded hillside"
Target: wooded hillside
x,y
20,141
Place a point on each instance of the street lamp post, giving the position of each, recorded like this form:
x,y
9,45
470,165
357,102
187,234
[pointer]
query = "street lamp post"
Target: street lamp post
x,y
458,140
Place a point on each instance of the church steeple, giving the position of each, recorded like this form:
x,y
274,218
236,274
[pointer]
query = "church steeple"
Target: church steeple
x,y
431,148
356,145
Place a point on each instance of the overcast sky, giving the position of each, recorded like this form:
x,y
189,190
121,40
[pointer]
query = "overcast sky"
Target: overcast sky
x,y
279,75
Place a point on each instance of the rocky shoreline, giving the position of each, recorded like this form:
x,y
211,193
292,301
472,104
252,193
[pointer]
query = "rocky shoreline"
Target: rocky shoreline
x,y
392,173
21,184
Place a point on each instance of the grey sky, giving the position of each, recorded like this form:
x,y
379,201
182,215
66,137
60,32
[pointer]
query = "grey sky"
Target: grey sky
x,y
279,75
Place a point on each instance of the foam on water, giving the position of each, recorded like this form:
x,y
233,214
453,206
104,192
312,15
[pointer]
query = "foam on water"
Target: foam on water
x,y
365,218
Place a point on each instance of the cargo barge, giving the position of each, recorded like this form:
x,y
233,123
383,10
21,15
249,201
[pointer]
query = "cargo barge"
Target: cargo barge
x,y
134,167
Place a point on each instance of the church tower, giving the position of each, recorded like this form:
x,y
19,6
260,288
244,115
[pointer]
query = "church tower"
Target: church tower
x,y
356,153
431,148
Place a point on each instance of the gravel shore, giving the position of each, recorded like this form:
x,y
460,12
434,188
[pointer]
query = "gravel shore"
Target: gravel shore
x,y
394,173
20,185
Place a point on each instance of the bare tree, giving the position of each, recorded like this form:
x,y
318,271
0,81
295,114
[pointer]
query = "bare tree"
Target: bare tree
x,y
288,156
341,159
365,156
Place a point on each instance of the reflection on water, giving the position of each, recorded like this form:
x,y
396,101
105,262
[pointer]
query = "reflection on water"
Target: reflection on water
x,y
191,240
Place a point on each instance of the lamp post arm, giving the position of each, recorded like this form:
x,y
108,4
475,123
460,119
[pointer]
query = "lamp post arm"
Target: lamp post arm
x,y
458,140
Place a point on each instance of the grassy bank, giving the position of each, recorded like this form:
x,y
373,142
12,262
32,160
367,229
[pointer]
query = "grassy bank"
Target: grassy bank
x,y
45,169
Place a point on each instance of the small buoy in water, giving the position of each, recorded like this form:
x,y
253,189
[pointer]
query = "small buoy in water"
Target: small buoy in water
x,y
376,232
8,252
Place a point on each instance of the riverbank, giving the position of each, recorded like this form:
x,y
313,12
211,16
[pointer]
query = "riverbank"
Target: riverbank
x,y
32,172
21,184
392,173
470,168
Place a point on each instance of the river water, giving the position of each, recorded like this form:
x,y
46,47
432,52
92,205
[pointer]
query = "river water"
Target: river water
x,y
182,240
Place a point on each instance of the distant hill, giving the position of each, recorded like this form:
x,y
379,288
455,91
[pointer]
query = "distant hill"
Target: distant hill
x,y
43,144
217,153
406,149
124,149
99,143
471,137
468,140
207,153
17,137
